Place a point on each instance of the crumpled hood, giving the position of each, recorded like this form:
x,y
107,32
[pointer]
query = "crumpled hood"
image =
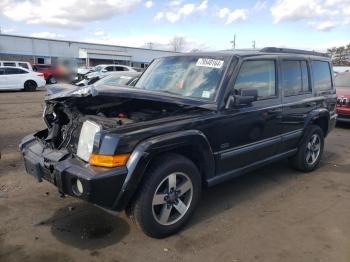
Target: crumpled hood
x,y
58,93
67,90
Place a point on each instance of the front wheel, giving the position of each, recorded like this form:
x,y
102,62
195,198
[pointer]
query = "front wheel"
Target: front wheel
x,y
168,196
310,151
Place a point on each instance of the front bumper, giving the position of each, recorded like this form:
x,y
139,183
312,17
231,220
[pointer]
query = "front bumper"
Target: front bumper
x,y
343,114
102,186
343,118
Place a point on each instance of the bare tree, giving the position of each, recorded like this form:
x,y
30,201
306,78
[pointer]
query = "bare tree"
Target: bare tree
x,y
340,55
177,43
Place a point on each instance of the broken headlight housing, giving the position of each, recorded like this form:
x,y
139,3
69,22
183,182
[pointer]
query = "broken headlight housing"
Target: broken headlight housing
x,y
86,139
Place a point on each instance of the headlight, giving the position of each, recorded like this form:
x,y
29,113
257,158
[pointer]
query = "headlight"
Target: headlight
x,y
86,139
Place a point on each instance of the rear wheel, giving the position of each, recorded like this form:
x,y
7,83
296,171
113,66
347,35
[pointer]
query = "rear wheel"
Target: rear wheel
x,y
168,196
310,151
52,80
30,85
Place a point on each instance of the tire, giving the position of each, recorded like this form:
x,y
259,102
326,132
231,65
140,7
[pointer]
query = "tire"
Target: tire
x,y
52,80
30,86
161,212
310,150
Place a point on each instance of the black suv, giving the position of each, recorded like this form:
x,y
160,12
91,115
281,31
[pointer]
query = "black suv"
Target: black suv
x,y
192,120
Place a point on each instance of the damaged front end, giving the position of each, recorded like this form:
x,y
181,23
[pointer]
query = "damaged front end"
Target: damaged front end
x,y
87,147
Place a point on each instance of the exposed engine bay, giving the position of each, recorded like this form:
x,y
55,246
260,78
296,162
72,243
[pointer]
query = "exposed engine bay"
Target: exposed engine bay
x,y
65,118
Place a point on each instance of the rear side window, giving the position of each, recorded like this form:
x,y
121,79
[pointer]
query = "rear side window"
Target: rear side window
x,y
259,75
41,67
9,64
24,65
120,68
322,75
295,77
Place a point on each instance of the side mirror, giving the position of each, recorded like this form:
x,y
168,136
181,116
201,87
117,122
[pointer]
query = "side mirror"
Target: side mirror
x,y
104,71
244,98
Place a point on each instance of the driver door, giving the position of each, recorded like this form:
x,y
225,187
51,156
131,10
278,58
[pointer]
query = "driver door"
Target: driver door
x,y
252,133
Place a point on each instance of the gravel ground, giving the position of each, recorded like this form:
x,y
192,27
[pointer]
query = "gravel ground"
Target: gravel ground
x,y
274,214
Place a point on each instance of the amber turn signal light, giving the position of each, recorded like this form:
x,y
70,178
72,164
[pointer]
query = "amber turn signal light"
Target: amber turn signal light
x,y
109,161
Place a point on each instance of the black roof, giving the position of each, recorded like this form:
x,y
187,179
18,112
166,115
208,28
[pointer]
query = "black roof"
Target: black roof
x,y
258,52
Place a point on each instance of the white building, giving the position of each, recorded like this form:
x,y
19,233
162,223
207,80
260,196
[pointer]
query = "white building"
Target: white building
x,y
46,51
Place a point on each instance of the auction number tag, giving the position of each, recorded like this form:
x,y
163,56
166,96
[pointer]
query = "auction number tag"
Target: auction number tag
x,y
212,63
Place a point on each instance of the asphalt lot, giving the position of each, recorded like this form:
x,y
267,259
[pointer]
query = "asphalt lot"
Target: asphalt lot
x,y
274,214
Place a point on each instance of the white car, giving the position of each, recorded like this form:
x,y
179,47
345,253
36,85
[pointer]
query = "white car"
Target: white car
x,y
103,70
15,78
20,64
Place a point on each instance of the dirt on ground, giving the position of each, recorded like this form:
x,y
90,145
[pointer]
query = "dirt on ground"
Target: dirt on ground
x,y
273,214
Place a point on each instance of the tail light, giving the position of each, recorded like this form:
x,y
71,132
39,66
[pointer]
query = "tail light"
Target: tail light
x,y
42,75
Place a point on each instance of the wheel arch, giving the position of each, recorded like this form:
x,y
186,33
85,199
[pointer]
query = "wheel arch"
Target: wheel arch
x,y
192,144
29,80
320,118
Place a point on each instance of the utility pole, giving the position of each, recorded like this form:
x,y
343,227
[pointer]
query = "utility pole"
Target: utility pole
x,y
254,42
233,42
150,45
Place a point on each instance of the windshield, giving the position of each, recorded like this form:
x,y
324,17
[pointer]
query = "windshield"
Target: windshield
x,y
97,68
114,80
342,80
187,76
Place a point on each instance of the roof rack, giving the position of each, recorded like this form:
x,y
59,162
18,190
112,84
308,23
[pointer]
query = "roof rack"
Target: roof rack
x,y
292,51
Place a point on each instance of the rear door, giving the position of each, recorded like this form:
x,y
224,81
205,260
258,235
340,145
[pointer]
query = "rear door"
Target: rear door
x,y
15,77
298,99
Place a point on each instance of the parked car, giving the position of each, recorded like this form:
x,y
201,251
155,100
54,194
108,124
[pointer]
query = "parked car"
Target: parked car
x,y
342,82
114,78
15,78
21,64
51,73
103,70
192,120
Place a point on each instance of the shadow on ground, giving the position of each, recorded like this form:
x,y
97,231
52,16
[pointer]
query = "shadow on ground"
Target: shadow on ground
x,y
86,227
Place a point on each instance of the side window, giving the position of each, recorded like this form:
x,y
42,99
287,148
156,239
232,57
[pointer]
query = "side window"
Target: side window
x,y
110,68
292,78
322,75
295,77
120,68
2,71
20,71
24,65
14,71
9,64
259,75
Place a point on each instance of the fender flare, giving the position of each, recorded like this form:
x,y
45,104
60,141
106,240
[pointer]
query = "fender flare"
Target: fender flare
x,y
147,149
315,115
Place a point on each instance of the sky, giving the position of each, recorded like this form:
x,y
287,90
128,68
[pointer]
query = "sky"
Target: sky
x,y
204,24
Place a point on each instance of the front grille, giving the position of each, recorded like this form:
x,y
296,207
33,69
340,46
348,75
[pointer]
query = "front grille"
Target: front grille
x,y
343,101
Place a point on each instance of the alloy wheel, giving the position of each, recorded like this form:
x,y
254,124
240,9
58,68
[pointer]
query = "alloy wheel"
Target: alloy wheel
x,y
172,198
313,149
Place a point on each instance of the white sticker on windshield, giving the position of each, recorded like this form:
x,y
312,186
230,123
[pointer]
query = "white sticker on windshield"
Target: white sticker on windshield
x,y
212,63
125,77
206,94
